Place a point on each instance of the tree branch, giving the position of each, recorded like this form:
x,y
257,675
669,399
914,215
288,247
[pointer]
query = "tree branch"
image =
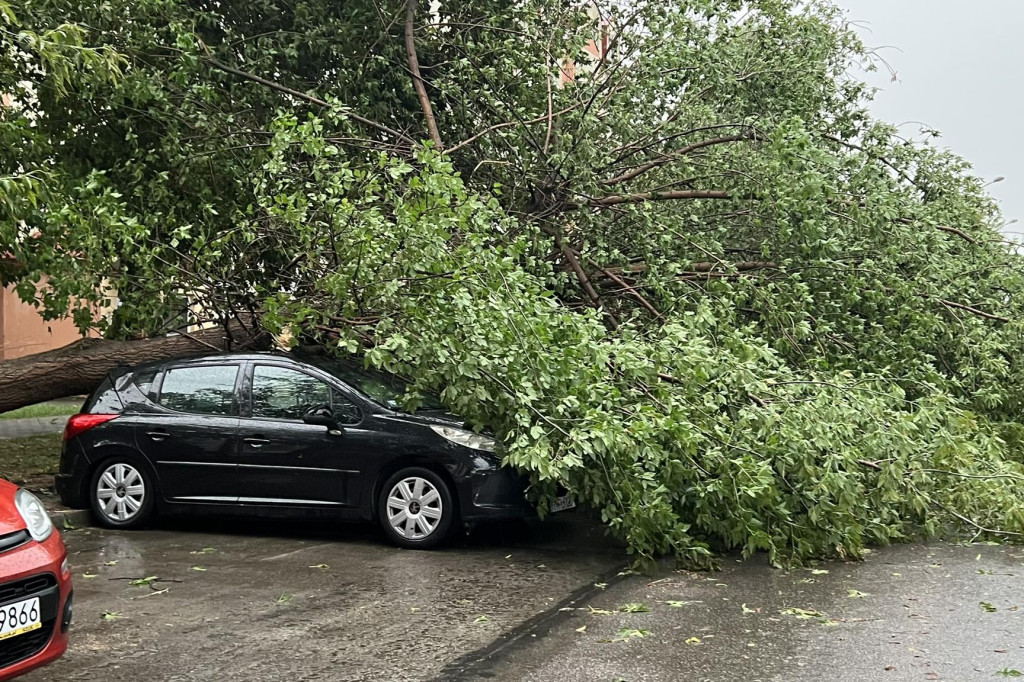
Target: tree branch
x,y
217,64
741,266
498,126
960,233
591,292
417,78
668,158
973,311
636,294
616,199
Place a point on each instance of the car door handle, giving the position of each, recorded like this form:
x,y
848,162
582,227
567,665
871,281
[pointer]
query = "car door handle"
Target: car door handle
x,y
158,435
257,442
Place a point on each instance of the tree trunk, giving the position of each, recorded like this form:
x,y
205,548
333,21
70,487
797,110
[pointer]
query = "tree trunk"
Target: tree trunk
x,y
79,367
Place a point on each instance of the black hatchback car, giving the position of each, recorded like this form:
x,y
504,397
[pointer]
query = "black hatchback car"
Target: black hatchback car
x,y
272,435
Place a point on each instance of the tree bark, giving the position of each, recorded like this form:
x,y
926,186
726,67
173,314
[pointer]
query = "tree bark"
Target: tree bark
x,y
79,367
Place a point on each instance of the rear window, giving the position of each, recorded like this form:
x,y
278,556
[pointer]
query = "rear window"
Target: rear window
x,y
208,389
104,400
144,380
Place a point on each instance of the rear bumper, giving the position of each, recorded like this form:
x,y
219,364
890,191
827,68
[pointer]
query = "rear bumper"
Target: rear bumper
x,y
494,494
69,481
34,570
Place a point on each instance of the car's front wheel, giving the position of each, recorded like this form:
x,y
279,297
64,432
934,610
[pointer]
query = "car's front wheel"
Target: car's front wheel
x,y
121,494
416,508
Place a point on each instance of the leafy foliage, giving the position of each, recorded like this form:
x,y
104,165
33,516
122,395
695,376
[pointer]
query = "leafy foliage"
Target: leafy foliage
x,y
695,282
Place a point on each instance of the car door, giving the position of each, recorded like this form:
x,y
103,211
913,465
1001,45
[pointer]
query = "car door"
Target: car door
x,y
284,461
191,442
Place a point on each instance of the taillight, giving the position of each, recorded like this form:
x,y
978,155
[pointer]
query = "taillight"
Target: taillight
x,y
83,422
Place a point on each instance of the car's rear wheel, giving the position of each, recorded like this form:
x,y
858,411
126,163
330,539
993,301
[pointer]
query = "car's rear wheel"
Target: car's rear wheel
x,y
416,508
122,494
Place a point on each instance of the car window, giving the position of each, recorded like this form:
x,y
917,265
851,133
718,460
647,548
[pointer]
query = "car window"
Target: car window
x,y
144,379
281,393
209,389
383,388
345,411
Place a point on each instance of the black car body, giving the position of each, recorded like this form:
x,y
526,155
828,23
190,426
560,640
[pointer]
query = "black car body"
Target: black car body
x,y
272,435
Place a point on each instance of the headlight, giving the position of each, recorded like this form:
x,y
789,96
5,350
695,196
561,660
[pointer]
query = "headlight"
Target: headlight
x,y
36,519
466,438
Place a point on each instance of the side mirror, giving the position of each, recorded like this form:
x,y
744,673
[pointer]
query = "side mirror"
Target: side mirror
x,y
322,416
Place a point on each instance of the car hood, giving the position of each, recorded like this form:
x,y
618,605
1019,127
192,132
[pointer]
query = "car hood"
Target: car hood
x,y
428,417
10,519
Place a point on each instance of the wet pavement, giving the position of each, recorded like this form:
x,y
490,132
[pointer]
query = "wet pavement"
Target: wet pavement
x,y
245,600
938,612
249,600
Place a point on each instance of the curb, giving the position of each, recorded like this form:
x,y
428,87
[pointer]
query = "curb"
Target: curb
x,y
70,519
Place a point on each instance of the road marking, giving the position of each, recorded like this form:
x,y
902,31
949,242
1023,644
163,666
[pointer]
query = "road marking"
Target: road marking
x,y
287,554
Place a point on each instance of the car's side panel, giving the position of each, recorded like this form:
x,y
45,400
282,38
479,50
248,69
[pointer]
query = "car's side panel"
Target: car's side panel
x,y
194,455
287,462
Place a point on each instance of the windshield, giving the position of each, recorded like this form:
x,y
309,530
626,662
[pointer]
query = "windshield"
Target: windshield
x,y
381,387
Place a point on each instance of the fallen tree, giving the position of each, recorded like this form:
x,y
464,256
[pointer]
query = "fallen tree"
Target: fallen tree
x,y
78,368
661,249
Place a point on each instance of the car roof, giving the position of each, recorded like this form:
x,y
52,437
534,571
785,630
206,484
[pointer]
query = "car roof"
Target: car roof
x,y
214,357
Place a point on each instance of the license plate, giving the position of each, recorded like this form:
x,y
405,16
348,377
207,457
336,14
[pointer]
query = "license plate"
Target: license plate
x,y
562,503
19,618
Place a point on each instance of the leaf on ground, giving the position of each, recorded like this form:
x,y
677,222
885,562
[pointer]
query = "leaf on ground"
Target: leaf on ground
x,y
481,619
819,571
204,550
680,604
1009,672
600,586
857,594
599,612
626,634
635,607
89,575
284,598
111,563
111,615
987,607
747,609
197,568
693,640
149,580
322,567
582,628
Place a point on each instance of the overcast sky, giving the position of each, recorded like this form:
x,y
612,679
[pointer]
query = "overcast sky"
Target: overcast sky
x,y
959,68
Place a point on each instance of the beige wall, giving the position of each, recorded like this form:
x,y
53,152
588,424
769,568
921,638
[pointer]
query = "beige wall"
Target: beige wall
x,y
24,332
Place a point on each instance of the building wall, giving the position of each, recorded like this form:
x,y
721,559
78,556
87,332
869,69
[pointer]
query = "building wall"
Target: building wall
x,y
24,332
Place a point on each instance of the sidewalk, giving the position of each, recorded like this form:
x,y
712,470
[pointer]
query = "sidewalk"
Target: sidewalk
x,y
31,426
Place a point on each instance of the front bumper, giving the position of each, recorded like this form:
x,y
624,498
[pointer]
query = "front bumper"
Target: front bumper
x,y
494,494
34,570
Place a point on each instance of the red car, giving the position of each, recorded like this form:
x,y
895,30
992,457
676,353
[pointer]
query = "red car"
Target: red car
x,y
35,584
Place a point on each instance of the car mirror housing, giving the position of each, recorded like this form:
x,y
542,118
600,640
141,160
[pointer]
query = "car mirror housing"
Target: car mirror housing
x,y
322,416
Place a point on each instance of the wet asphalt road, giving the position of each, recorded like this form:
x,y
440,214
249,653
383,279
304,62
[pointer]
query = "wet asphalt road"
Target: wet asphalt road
x,y
515,603
245,600
906,613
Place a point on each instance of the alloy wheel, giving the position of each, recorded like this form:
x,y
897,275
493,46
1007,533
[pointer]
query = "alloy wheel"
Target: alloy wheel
x,y
120,491
414,508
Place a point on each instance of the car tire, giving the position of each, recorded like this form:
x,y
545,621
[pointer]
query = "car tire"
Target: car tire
x,y
122,493
416,508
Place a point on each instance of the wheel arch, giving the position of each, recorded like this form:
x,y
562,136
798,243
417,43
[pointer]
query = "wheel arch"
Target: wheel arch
x,y
413,461
105,455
